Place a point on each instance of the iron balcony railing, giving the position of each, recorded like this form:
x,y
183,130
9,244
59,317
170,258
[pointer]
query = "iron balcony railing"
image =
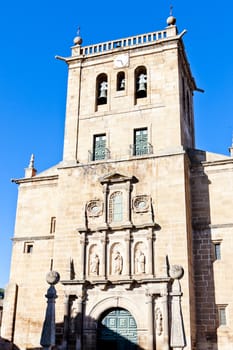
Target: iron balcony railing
x,y
104,155
139,150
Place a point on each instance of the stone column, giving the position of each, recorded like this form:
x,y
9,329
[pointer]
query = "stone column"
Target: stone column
x,y
126,261
149,301
164,302
79,303
66,322
128,204
150,260
103,254
105,191
82,256
9,310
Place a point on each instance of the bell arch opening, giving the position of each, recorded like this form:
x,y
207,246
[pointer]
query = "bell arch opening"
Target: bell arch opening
x,y
117,330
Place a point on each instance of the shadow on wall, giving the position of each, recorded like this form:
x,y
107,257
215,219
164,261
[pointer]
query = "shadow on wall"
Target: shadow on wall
x,y
206,309
7,345
91,334
95,336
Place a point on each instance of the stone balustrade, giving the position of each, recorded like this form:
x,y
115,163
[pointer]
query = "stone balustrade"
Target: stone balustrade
x,y
132,41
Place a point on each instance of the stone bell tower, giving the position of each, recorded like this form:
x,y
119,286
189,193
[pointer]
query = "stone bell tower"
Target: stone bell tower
x,y
119,86
113,218
125,189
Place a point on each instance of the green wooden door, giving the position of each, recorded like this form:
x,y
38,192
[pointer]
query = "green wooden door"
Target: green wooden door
x,y
117,331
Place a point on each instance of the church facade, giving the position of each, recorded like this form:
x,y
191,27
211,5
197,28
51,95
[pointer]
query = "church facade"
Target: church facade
x,y
136,221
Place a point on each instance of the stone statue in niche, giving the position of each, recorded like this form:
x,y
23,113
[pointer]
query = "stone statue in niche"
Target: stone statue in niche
x,y
94,264
140,262
158,321
117,263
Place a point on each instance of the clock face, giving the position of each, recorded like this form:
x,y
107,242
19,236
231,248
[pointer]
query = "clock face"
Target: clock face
x,y
121,61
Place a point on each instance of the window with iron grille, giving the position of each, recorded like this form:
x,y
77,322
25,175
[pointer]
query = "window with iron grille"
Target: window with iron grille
x,y
140,141
99,147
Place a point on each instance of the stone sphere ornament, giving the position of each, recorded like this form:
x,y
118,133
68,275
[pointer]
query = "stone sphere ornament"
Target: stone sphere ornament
x,y
52,277
78,40
176,272
171,21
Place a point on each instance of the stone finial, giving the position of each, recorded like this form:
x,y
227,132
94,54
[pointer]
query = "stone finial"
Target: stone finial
x,y
176,271
30,171
231,148
177,335
31,163
52,277
48,335
78,40
171,20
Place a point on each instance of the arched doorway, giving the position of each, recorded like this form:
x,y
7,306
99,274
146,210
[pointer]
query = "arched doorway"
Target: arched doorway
x,y
117,330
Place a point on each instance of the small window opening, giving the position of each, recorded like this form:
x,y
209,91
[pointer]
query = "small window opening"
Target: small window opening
x,y
53,224
28,247
222,315
102,89
217,251
120,81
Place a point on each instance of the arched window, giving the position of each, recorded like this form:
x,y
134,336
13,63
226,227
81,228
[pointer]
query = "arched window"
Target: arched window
x,y
140,82
101,89
116,207
120,81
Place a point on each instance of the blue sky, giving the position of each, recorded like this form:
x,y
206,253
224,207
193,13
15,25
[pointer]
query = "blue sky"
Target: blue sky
x,y
33,83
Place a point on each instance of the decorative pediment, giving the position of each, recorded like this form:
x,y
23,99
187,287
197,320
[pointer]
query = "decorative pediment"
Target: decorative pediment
x,y
116,178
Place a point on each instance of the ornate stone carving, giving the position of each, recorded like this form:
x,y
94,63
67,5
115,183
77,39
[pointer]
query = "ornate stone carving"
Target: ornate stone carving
x,y
74,310
94,208
158,321
141,203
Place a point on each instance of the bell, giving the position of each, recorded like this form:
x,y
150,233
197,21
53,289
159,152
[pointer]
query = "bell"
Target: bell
x,y
103,90
103,94
142,82
122,86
